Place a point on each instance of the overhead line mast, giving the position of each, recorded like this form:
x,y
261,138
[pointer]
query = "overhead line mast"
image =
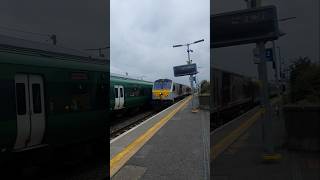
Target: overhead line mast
x,y
192,78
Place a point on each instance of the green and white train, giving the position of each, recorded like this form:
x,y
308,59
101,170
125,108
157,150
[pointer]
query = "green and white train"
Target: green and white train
x,y
53,97
128,93
50,96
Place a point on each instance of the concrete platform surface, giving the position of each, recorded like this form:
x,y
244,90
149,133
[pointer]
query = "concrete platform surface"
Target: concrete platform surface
x,y
243,159
179,150
122,141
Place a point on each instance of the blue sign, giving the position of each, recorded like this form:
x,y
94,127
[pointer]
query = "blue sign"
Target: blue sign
x,y
269,54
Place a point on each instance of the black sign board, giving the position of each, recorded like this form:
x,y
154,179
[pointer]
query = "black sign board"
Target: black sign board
x,y
183,70
244,27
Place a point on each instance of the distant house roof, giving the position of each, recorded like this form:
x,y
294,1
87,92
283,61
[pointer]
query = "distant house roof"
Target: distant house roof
x,y
17,43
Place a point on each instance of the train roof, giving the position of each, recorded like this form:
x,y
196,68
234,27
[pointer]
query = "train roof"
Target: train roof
x,y
171,80
116,78
163,80
17,45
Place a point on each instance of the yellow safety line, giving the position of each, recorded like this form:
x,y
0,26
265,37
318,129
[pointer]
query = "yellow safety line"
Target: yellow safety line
x,y
122,157
228,140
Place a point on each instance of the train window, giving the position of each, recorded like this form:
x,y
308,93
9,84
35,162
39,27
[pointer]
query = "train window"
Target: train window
x,y
157,85
167,85
116,93
134,92
174,88
142,92
80,88
21,98
180,89
121,92
131,92
146,91
36,98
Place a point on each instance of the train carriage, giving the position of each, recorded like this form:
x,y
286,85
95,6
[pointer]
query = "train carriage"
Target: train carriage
x,y
50,96
128,93
233,94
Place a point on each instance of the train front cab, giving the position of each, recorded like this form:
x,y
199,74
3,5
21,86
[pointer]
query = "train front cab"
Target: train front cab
x,y
162,92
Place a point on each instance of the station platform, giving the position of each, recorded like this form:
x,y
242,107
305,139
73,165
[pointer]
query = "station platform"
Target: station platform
x,y
174,144
237,152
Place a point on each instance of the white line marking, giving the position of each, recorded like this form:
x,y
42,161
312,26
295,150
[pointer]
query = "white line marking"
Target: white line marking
x,y
125,133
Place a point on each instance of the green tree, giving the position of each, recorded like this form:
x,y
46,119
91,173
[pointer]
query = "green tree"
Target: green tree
x,y
205,87
304,80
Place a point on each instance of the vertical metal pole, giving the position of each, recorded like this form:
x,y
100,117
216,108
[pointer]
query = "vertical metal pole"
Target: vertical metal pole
x,y
191,77
263,77
255,4
280,65
267,123
188,50
275,59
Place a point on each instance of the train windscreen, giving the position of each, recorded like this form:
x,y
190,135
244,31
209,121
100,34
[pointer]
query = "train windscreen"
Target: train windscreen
x,y
162,84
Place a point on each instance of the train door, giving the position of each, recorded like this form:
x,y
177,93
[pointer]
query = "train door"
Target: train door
x,y
30,110
119,97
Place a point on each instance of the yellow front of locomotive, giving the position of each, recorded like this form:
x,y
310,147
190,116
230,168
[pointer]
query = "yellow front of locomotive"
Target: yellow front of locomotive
x,y
162,90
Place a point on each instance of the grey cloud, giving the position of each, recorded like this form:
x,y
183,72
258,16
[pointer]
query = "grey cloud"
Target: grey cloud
x,y
143,32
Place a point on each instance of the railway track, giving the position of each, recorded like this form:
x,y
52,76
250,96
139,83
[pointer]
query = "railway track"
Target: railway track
x,y
225,117
123,124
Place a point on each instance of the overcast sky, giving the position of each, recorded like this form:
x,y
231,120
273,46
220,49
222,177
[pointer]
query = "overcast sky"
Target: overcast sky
x,y
302,37
78,24
143,32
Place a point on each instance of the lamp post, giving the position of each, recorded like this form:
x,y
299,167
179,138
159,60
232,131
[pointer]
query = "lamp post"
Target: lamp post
x,y
192,78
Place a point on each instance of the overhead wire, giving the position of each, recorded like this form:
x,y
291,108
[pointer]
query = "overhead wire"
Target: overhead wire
x,y
23,31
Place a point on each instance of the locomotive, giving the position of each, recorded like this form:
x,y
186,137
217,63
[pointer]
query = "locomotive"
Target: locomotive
x,y
166,91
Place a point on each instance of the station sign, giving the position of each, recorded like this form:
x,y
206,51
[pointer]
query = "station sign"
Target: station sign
x,y
244,27
189,69
269,54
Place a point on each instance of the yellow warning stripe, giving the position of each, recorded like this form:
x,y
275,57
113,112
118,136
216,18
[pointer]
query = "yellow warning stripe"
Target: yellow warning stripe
x,y
122,157
230,138
218,148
